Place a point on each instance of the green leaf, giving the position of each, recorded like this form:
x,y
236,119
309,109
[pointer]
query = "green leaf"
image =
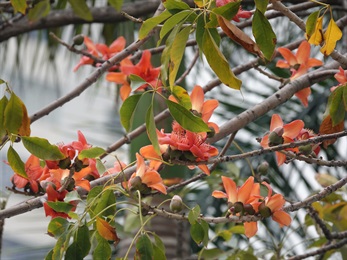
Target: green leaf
x,y
144,247
218,62
92,152
42,149
261,5
337,108
136,81
165,57
100,166
263,34
197,232
40,10
19,5
177,52
200,30
205,227
311,23
60,206
57,226
186,119
103,249
151,129
344,96
49,256
181,96
106,200
3,104
228,11
13,114
16,163
150,23
83,240
214,253
174,6
61,245
127,111
116,4
73,252
173,21
81,9
158,243
193,214
72,196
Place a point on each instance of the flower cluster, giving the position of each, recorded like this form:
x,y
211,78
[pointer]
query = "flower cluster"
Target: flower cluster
x,y
120,73
52,176
246,200
185,145
281,133
299,64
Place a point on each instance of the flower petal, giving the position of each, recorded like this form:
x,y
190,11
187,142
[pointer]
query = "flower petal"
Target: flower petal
x,y
282,218
197,98
276,121
245,190
303,95
280,158
230,189
251,228
219,194
293,129
288,56
303,53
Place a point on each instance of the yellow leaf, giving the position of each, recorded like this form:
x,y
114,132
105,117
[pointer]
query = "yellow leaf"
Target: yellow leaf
x,y
317,35
106,230
331,36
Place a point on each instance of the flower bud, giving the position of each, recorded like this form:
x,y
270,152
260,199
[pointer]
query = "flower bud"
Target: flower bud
x,y
249,209
275,137
78,39
211,133
306,149
237,208
64,163
136,183
264,210
176,204
263,168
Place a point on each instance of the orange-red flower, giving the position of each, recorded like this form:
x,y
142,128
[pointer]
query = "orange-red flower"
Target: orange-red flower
x,y
299,64
58,175
341,77
102,51
54,196
182,140
200,107
275,204
286,134
33,170
143,69
148,175
247,194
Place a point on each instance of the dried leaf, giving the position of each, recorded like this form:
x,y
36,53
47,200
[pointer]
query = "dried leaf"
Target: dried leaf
x,y
239,36
327,128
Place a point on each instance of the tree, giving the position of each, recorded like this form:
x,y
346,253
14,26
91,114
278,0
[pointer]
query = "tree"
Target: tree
x,y
237,198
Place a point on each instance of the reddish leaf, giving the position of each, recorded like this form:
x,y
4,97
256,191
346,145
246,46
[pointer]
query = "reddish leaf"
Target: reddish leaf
x,y
327,128
239,36
106,230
